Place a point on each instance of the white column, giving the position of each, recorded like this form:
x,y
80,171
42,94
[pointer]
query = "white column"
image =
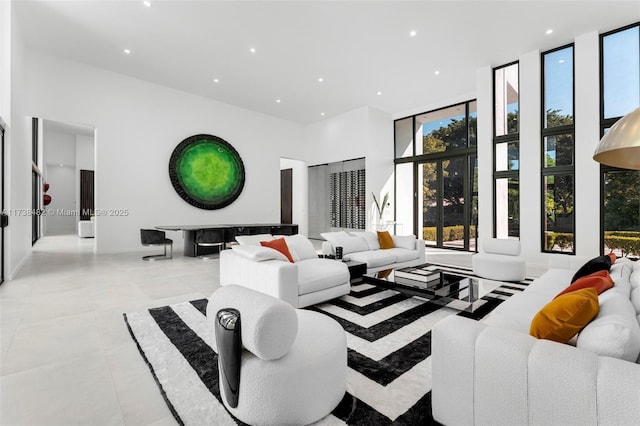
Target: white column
x,y
530,196
484,85
587,122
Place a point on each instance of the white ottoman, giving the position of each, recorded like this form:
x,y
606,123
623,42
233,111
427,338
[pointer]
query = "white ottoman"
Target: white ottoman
x,y
499,260
85,229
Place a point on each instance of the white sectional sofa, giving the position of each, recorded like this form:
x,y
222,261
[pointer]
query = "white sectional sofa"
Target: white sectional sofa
x,y
364,247
307,281
493,372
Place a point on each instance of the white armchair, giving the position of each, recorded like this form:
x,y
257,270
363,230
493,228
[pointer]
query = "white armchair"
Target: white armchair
x,y
277,365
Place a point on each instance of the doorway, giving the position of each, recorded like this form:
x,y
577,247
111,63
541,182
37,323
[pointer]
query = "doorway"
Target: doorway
x,y
67,176
448,202
286,196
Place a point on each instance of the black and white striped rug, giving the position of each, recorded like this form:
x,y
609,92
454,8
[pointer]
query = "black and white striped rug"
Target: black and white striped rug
x,y
389,348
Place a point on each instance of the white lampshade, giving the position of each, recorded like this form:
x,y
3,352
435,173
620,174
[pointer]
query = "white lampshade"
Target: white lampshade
x,y
620,146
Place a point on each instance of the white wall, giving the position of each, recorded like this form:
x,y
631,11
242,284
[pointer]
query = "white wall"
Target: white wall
x,y
18,155
484,81
138,124
364,132
300,196
587,112
5,61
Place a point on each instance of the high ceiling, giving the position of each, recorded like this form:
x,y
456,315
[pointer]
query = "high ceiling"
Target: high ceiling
x,y
358,48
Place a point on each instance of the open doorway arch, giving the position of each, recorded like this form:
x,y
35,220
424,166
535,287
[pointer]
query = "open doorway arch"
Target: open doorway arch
x,y
68,164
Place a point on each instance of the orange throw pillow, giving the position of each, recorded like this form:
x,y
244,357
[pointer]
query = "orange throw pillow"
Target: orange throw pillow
x,y
278,244
613,257
563,317
385,240
600,280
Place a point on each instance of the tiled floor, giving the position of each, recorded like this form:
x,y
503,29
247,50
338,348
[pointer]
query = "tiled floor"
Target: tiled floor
x,y
66,356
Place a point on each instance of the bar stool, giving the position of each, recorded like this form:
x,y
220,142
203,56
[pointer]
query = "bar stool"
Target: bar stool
x,y
209,238
153,237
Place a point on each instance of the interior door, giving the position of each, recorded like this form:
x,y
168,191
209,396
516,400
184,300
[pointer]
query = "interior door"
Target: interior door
x,y
286,196
86,194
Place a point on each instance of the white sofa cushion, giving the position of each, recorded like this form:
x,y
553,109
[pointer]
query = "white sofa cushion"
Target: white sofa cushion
x,y
259,253
349,243
620,273
635,299
300,247
501,246
402,254
371,238
374,258
518,313
551,282
320,274
615,331
404,241
253,240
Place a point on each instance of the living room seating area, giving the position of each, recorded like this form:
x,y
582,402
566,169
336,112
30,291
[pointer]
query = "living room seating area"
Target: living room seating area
x,y
494,372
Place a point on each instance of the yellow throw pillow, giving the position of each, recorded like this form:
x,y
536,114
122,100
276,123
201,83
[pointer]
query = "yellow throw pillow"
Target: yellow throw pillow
x,y
386,242
563,317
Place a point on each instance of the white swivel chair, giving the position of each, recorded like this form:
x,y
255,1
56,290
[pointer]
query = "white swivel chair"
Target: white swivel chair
x,y
500,260
278,365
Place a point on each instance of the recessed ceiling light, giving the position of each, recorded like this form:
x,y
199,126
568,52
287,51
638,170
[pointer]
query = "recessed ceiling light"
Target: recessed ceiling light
x,y
61,165
379,93
320,79
322,114
549,31
216,80
127,51
277,101
147,3
413,33
437,72
561,61
252,50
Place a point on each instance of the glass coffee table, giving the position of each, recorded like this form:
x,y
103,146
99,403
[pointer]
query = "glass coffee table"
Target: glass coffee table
x,y
444,288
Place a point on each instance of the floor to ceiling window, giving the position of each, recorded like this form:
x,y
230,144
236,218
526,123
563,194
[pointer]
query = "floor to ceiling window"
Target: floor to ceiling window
x,y
506,159
619,94
558,171
436,158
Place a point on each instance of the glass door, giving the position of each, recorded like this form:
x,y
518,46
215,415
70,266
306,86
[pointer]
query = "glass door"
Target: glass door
x,y
447,219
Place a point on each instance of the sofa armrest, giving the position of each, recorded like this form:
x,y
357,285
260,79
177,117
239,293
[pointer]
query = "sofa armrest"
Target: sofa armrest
x,y
273,277
420,249
493,375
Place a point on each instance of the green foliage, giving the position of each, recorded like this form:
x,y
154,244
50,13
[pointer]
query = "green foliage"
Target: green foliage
x,y
449,233
561,239
627,242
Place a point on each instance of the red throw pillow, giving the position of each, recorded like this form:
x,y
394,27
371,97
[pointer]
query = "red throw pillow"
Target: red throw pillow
x,y
600,280
278,244
613,257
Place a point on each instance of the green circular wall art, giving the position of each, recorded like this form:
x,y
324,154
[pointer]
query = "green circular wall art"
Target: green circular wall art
x,y
206,171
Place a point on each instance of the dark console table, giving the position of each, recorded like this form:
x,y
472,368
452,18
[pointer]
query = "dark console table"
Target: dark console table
x,y
229,232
